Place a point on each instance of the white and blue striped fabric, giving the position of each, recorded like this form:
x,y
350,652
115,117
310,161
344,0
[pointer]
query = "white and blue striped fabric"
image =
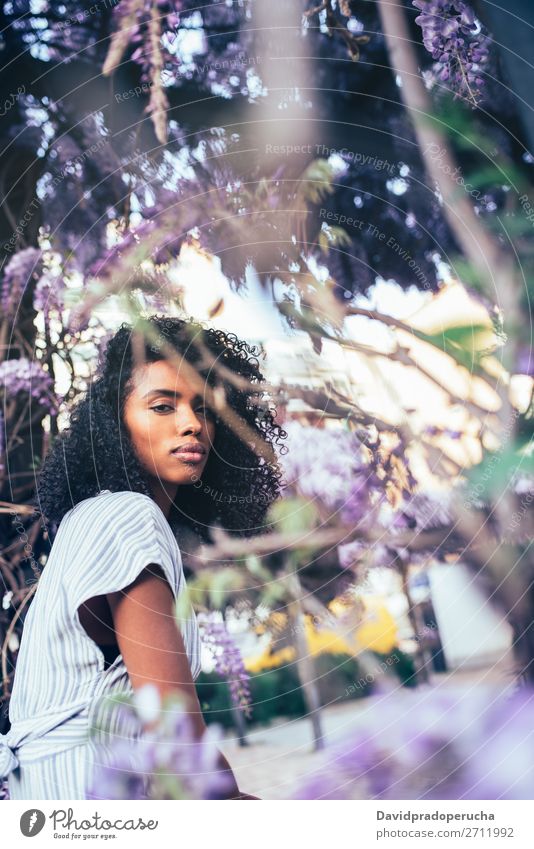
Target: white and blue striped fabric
x,y
65,704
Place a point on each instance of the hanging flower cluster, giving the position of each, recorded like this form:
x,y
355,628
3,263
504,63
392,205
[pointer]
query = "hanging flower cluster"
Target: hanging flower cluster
x,y
167,762
228,660
422,511
329,467
21,268
48,293
454,38
25,377
143,22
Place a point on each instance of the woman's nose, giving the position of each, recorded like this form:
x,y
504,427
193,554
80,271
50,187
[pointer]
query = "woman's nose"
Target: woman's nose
x,y
190,424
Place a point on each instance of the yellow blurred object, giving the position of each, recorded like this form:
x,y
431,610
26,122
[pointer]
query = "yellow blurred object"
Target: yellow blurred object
x,y
269,660
377,631
323,641
376,628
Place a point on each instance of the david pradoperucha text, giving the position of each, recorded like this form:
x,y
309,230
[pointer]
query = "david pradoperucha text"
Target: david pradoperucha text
x,y
412,816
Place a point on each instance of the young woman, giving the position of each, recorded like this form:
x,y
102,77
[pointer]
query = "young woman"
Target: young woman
x,y
148,458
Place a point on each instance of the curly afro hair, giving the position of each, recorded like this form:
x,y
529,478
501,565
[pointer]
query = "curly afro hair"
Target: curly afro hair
x,y
95,451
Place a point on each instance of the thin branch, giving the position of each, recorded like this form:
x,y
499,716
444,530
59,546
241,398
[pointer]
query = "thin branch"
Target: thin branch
x,y
227,547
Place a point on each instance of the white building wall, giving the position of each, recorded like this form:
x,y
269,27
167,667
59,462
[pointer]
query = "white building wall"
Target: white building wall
x,y
473,632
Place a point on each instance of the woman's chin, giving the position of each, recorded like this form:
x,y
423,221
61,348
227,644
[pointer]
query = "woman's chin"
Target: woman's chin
x,y
186,477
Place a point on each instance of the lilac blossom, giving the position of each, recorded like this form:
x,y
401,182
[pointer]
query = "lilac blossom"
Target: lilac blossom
x,y
228,660
23,267
161,31
48,293
123,774
452,35
132,18
434,430
144,24
420,511
374,554
329,467
167,762
424,511
433,744
24,377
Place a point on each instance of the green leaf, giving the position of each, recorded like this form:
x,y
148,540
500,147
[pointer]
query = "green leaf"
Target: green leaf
x,y
466,344
488,176
224,583
274,593
36,462
464,271
514,223
293,515
316,181
492,476
255,567
336,236
182,608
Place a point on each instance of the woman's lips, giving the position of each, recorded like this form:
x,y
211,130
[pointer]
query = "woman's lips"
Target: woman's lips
x,y
188,456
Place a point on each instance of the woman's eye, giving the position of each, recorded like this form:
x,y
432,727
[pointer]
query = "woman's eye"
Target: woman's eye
x,y
159,406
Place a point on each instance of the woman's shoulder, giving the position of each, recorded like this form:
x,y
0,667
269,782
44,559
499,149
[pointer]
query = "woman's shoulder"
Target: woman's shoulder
x,y
108,518
105,540
112,516
112,504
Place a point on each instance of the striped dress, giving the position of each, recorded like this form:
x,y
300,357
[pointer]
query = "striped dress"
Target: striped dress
x,y
65,705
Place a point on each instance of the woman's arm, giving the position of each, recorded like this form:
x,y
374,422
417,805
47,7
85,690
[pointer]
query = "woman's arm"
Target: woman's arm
x,y
152,645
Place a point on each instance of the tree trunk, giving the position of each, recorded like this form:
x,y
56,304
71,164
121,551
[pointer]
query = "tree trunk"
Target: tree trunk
x,y
421,661
239,722
306,672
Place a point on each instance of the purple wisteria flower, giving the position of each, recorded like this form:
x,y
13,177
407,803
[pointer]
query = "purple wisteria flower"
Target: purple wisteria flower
x,y
23,267
144,25
454,38
376,554
49,292
475,743
421,511
228,660
167,762
25,377
424,511
525,360
328,466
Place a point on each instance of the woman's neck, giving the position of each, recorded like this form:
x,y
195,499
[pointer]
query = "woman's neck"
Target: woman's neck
x,y
164,495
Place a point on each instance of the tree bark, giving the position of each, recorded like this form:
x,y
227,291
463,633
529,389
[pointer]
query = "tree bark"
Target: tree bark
x,y
306,672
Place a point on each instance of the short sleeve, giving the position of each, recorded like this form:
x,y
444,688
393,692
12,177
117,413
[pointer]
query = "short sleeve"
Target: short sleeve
x,y
110,539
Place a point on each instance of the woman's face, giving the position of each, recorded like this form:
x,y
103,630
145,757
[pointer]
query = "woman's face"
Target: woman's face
x,y
163,414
